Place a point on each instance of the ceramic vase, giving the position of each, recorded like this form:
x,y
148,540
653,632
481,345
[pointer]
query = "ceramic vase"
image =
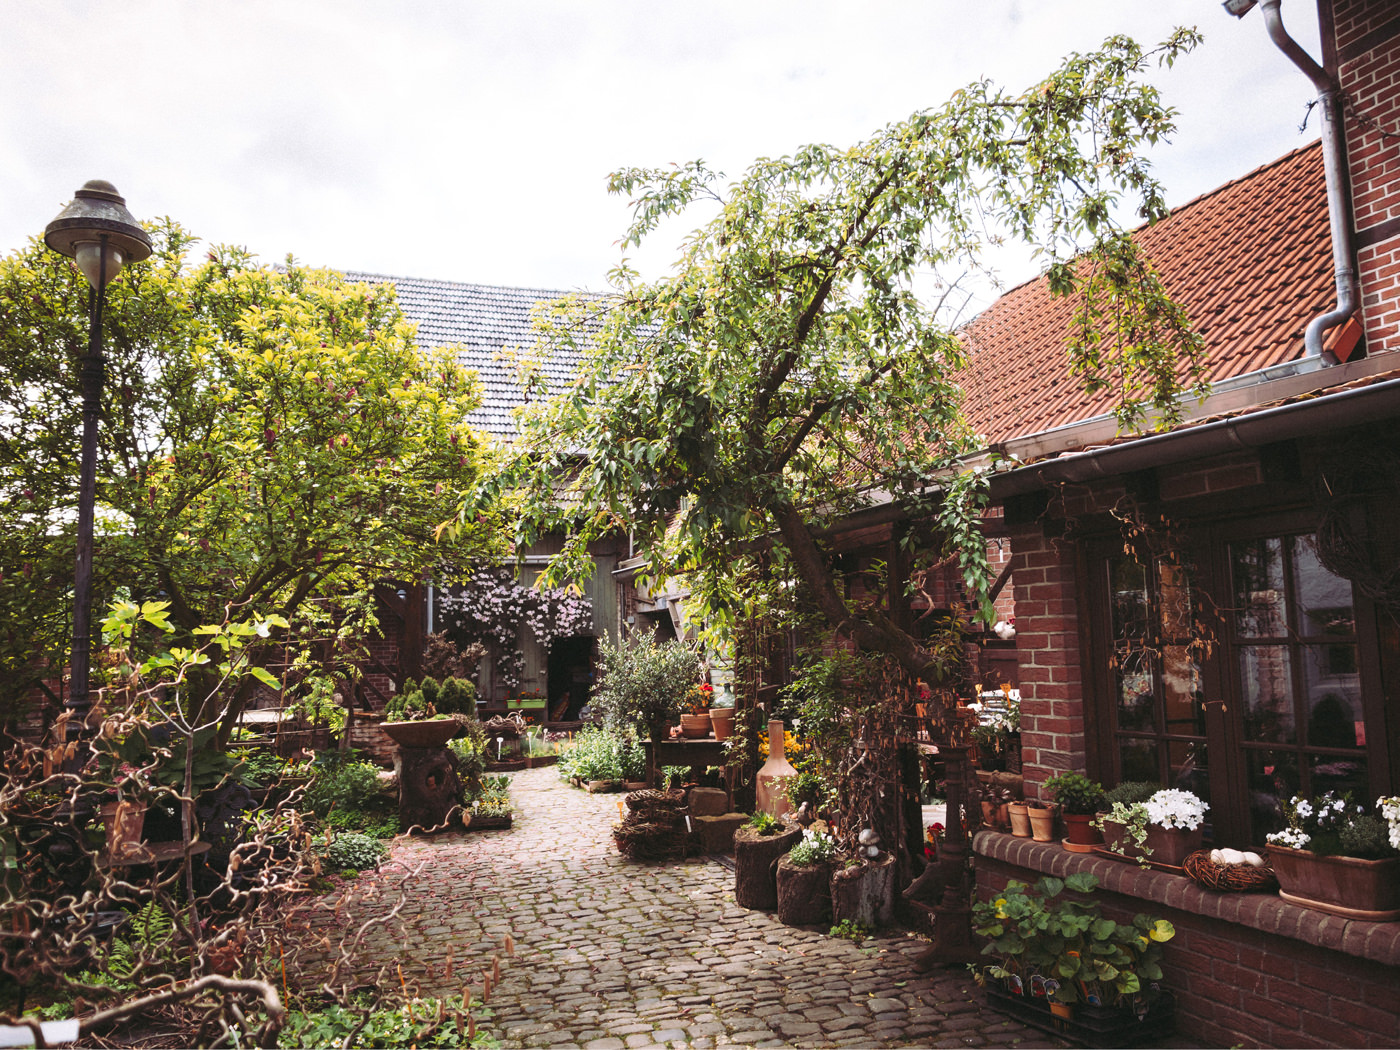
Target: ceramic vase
x,y
771,795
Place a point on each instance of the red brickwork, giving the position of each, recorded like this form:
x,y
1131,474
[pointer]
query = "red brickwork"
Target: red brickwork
x,y
1367,45
1047,647
1184,480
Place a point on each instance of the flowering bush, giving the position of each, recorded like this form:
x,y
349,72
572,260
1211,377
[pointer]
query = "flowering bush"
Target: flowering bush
x,y
1173,808
1333,824
493,606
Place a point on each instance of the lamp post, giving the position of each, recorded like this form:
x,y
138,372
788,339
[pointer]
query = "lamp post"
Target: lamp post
x,y
100,235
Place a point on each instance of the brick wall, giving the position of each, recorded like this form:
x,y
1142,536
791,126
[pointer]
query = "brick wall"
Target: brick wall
x,y
1223,474
1240,986
1047,647
1366,36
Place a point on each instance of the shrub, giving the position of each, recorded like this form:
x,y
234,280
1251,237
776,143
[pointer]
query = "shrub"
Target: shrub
x,y
1131,791
456,697
355,851
642,683
596,754
1076,793
337,783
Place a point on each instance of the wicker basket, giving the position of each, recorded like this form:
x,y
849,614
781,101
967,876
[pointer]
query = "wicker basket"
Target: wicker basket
x,y
1228,878
648,803
650,840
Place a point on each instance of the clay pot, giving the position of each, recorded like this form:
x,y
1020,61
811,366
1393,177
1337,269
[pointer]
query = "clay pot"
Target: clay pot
x,y
722,721
1348,886
1080,832
1172,845
1042,822
695,727
1020,819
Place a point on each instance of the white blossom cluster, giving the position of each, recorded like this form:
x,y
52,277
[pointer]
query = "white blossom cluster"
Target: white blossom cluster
x,y
492,607
1293,838
1390,809
1173,808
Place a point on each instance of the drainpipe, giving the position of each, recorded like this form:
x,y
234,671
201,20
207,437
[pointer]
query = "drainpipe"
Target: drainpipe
x,y
1333,161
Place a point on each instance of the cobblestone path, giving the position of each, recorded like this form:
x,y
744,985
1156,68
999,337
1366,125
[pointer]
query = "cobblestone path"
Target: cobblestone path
x,y
613,954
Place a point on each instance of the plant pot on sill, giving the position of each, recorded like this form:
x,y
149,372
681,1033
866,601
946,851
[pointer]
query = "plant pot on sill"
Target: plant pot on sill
x,y
1042,822
722,721
1171,846
1347,886
1080,834
1020,820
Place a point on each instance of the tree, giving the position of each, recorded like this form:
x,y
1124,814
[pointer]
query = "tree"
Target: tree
x,y
786,373
269,437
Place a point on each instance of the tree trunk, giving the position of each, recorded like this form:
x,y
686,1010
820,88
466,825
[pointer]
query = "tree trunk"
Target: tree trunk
x,y
428,786
755,884
804,893
865,894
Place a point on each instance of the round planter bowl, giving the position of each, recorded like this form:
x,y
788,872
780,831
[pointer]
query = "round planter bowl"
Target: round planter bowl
x,y
431,733
695,727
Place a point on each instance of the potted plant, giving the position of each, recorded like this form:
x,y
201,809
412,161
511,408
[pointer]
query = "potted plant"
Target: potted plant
x,y
1337,856
804,880
642,684
1124,827
1019,815
1052,952
1042,817
1079,799
1175,825
695,722
411,718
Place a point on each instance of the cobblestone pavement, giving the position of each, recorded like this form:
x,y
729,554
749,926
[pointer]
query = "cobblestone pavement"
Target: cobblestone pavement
x,y
611,954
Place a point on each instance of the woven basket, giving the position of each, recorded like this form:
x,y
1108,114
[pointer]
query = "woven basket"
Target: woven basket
x,y
646,803
645,840
1228,878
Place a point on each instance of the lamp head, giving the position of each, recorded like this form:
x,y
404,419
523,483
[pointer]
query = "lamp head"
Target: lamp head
x,y
1239,8
96,223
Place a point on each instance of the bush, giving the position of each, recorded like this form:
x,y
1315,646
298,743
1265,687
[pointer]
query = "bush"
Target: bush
x,y
340,784
1076,793
456,697
355,851
1131,791
642,682
815,848
596,754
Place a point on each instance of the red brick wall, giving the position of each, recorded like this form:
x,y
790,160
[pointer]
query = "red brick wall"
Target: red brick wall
x,y
1238,986
1367,48
1047,646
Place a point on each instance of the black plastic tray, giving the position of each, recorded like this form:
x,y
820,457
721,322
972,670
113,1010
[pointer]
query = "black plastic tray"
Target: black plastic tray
x,y
1099,1027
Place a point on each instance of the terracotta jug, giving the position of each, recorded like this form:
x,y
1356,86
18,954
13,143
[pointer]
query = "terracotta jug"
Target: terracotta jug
x,y
771,794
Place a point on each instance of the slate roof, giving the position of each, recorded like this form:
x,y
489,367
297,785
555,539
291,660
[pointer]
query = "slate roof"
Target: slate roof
x,y
1251,262
490,322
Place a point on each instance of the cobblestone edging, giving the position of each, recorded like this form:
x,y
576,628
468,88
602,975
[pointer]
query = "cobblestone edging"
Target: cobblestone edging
x,y
612,954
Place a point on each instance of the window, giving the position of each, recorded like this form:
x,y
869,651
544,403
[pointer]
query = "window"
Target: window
x,y
1242,670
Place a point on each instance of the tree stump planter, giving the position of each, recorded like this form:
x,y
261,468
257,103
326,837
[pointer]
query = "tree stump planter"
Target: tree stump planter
x,y
864,893
804,893
755,882
428,786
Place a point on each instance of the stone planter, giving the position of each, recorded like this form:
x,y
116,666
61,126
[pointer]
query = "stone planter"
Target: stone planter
x,y
755,863
804,893
427,733
1347,886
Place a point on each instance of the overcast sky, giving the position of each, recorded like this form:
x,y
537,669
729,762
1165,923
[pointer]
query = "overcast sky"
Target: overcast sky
x,y
471,141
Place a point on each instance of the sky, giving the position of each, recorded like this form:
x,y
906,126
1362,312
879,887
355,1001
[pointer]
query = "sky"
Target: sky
x,y
471,141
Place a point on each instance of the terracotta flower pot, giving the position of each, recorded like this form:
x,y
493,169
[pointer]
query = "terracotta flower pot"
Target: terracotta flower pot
x,y
695,727
722,721
1348,886
1020,820
1172,845
1042,823
1080,832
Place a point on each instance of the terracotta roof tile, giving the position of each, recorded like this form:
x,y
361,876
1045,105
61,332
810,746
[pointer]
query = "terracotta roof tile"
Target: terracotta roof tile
x,y
1251,263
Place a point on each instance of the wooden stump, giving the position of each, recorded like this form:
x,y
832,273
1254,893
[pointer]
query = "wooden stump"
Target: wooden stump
x,y
804,893
428,786
865,894
755,883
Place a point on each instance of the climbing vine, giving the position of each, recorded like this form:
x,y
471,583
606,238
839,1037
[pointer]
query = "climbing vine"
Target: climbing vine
x,y
492,607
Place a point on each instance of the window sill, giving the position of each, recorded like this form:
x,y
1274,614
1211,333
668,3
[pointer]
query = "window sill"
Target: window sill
x,y
1376,941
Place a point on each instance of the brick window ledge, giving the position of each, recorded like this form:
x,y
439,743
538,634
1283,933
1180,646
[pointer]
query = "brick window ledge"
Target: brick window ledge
x,y
1376,941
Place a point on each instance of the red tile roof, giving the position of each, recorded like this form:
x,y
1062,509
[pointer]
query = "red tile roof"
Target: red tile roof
x,y
1251,263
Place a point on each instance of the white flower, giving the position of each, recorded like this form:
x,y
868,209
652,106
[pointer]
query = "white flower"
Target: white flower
x,y
1176,809
1293,838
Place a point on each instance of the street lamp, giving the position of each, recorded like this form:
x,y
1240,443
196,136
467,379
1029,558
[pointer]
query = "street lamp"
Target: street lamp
x,y
100,235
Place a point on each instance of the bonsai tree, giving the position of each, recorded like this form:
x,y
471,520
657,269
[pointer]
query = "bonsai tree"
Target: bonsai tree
x,y
1076,793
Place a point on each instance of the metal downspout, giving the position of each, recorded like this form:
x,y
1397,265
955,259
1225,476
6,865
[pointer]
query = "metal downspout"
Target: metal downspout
x,y
1333,162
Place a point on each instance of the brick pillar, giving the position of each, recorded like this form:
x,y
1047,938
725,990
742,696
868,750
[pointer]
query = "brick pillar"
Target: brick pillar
x,y
1047,646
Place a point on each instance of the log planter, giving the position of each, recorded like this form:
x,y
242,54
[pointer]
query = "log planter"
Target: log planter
x,y
864,893
755,857
804,893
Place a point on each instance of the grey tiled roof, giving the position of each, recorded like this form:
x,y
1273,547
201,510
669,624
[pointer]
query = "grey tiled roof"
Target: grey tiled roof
x,y
485,320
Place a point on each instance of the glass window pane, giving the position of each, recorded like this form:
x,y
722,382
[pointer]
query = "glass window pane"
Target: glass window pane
x,y
1341,775
1187,761
1257,569
1137,760
1130,609
1324,600
1273,780
1174,592
1335,717
1266,680
1135,693
1181,690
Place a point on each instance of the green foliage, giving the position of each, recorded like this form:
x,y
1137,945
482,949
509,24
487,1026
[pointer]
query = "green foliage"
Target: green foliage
x,y
815,848
1076,793
379,822
787,370
1131,791
642,683
340,783
271,436
456,697
765,823
1032,931
469,750
851,930
146,936
355,851
597,753
414,1023
808,787
259,768
320,705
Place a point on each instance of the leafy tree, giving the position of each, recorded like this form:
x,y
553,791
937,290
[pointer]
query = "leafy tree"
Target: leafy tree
x,y
269,437
787,373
